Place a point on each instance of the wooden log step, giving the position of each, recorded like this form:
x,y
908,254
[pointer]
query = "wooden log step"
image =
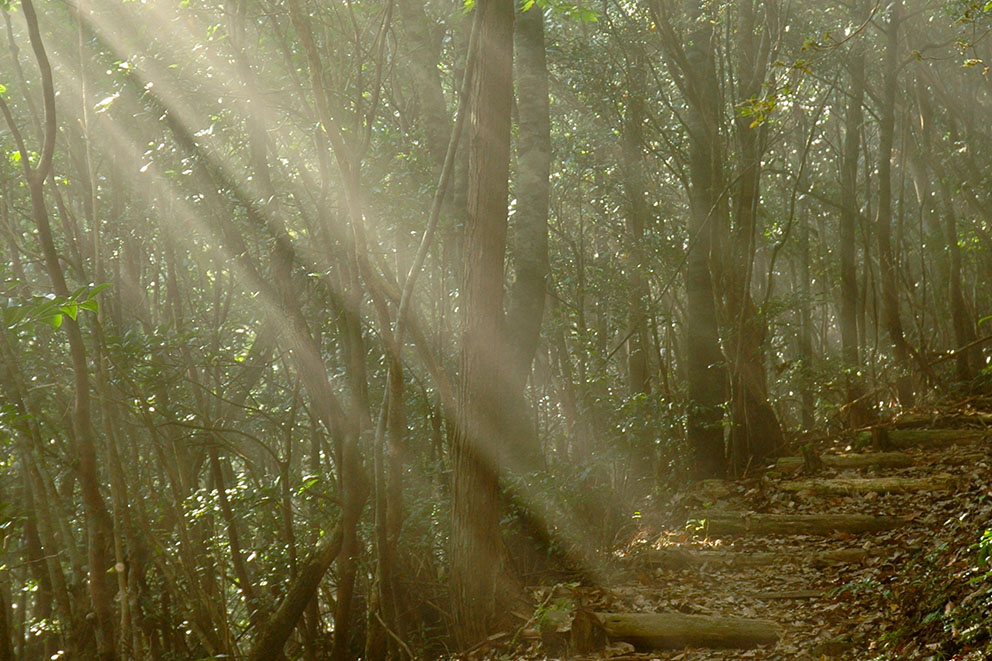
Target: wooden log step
x,y
845,461
680,559
737,523
916,420
786,595
654,631
861,485
906,438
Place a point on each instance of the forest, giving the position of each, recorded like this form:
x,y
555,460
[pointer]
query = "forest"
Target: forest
x,y
509,329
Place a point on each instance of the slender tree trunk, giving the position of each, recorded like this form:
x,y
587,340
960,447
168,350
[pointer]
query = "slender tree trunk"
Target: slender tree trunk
x,y
529,227
968,361
805,326
883,223
848,233
637,217
424,50
98,528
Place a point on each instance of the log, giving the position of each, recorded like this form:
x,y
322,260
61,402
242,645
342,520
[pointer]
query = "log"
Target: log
x,y
680,559
653,631
860,485
962,459
943,420
845,461
737,523
677,559
786,595
842,557
906,438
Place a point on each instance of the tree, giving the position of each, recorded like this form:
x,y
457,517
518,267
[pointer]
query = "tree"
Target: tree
x,y
476,559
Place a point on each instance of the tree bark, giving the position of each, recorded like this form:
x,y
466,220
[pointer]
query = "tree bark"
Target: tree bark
x,y
477,447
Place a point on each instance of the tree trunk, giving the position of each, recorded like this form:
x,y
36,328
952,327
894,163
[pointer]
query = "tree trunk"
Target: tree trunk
x,y
424,51
755,432
97,517
707,375
637,217
475,537
848,232
273,636
529,238
883,223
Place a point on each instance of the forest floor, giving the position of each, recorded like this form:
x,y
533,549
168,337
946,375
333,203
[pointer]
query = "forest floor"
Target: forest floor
x,y
919,587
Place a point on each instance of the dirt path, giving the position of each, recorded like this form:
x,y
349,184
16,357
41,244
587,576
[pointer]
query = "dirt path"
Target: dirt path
x,y
811,554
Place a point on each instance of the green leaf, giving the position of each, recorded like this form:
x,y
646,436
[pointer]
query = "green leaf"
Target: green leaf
x,y
104,104
527,5
96,290
988,6
308,482
90,305
70,309
54,321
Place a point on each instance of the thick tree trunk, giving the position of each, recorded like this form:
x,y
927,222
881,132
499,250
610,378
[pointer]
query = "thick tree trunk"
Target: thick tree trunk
x,y
477,447
755,432
707,375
